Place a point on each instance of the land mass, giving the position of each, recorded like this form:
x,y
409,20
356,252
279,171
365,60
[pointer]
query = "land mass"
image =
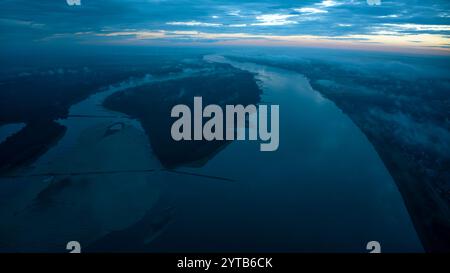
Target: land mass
x,y
37,96
152,105
28,144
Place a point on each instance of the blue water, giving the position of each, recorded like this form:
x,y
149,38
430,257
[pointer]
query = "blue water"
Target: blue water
x,y
325,189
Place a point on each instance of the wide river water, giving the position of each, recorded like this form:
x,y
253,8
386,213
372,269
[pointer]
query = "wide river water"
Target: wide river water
x,y
325,188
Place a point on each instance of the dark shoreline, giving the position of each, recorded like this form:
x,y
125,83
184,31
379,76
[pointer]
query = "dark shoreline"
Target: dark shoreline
x,y
28,144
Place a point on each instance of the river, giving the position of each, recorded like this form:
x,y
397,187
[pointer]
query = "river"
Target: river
x,y
325,189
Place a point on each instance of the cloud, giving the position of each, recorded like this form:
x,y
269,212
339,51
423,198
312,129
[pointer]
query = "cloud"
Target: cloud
x,y
389,16
359,41
329,3
159,34
274,20
374,2
238,25
203,24
236,13
22,22
194,23
310,10
73,2
417,27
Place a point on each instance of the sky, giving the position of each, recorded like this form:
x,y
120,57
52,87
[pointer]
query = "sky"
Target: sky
x,y
367,24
